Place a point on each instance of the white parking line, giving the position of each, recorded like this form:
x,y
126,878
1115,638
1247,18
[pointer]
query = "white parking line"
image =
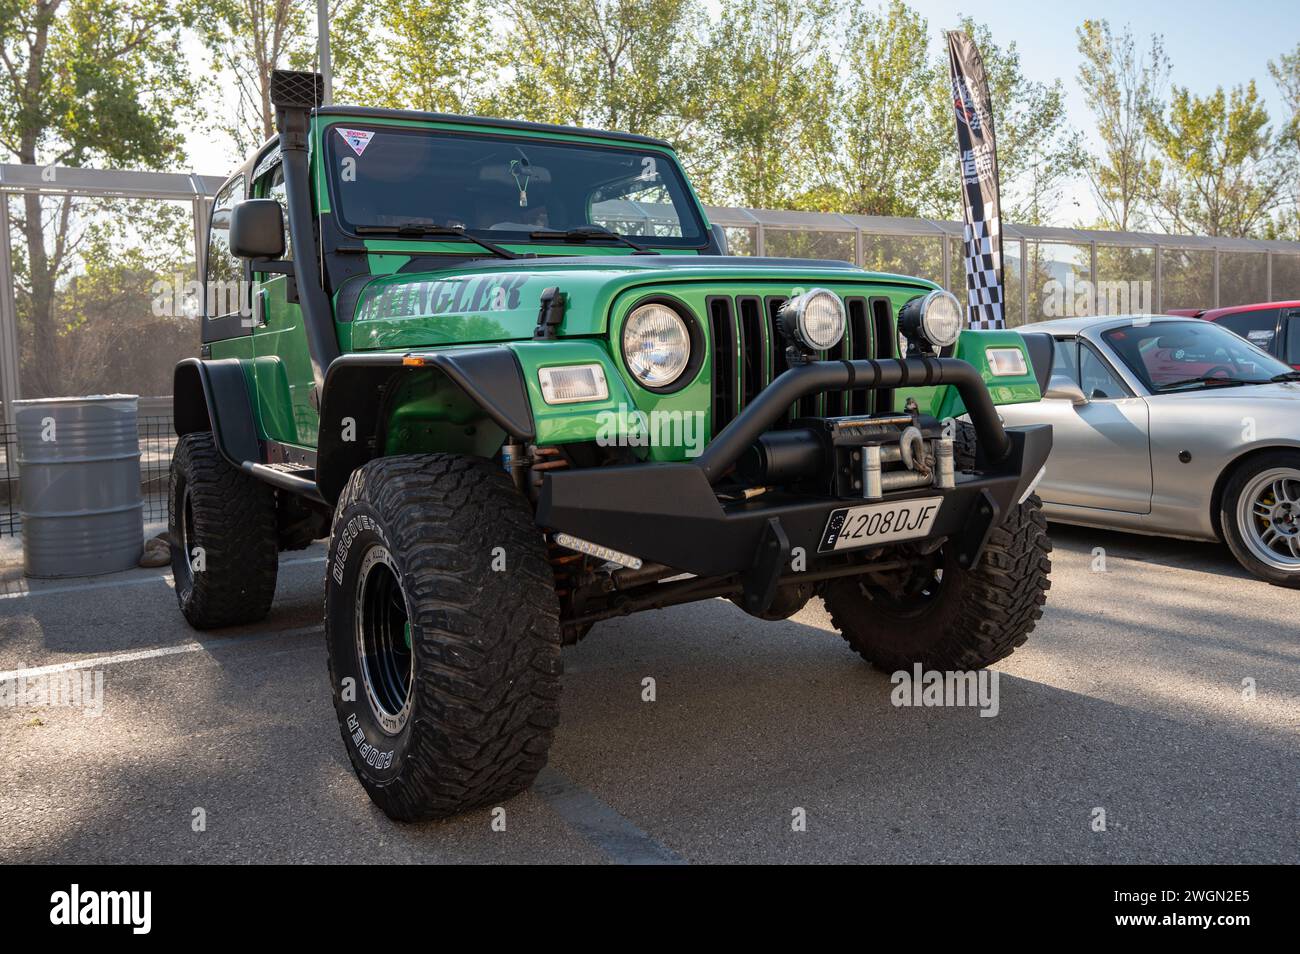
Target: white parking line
x,y
100,662
130,581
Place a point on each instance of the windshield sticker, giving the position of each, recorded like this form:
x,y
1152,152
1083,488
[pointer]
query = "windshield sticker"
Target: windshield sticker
x,y
358,139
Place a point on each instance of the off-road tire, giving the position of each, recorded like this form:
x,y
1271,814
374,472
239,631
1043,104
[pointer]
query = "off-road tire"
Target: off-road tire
x,y
1234,533
231,517
483,657
976,617
963,446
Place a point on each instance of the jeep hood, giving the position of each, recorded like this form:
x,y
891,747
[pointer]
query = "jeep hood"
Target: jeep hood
x,y
497,300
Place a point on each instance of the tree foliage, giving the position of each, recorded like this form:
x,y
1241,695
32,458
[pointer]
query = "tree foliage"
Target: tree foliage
x,y
83,82
1123,88
1221,168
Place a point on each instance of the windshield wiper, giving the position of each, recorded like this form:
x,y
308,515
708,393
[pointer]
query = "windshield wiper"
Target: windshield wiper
x,y
424,230
1206,379
585,233
1285,376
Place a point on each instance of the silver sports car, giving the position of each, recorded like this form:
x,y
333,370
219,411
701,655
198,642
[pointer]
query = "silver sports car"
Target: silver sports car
x,y
1171,426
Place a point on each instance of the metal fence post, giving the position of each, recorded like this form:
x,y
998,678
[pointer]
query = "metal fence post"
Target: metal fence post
x,y
1024,281
1158,299
200,234
1216,278
8,317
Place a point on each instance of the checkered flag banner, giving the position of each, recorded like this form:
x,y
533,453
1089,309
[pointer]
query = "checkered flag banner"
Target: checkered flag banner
x,y
981,211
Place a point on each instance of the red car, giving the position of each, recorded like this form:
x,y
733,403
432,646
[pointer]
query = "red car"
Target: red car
x,y
1273,326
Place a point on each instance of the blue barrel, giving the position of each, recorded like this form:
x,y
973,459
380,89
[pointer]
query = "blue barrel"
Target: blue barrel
x,y
79,484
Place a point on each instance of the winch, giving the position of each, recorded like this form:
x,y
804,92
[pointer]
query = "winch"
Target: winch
x,y
863,455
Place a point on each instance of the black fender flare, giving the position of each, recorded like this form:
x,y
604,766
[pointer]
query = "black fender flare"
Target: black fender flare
x,y
356,387
213,396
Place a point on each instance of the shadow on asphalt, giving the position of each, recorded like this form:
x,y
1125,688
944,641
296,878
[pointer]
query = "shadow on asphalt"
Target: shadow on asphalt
x,y
750,722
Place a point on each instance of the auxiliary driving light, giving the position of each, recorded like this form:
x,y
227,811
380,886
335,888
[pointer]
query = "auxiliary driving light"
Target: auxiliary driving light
x,y
814,321
934,319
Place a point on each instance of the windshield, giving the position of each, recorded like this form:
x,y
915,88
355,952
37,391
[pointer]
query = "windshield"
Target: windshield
x,y
1189,355
506,188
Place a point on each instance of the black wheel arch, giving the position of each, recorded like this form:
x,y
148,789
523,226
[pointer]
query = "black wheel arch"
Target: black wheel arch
x,y
362,386
212,395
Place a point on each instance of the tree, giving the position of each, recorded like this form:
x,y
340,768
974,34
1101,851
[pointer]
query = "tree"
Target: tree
x,y
247,39
873,162
1221,168
1286,73
617,64
83,81
770,83
436,55
1123,89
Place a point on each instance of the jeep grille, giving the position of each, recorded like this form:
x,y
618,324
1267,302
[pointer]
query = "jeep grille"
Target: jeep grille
x,y
748,352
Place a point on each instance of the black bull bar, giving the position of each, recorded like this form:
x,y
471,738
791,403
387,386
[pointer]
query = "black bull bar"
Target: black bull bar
x,y
669,512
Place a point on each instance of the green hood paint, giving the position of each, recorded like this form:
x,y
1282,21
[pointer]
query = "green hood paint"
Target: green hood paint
x,y
498,301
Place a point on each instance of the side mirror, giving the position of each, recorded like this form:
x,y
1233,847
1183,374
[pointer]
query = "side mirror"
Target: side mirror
x,y
720,239
257,229
1062,389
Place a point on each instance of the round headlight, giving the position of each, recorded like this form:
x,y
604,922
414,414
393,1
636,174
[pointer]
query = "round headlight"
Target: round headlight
x,y
814,319
656,345
936,318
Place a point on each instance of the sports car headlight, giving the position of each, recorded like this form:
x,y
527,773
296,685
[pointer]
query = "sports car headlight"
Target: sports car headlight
x,y
935,318
814,320
656,345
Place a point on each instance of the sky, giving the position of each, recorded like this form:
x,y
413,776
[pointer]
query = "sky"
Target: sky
x,y
1209,44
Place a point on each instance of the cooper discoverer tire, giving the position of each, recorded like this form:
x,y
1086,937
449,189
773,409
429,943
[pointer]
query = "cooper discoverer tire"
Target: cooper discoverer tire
x,y
946,617
443,635
222,531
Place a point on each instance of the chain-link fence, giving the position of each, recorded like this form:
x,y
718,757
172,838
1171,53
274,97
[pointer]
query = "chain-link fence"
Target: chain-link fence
x,y
9,520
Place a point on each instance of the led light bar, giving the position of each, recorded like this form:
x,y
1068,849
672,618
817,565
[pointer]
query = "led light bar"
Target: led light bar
x,y
579,545
570,384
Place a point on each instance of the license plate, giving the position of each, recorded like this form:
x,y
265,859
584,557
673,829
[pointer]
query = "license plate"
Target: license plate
x,y
879,523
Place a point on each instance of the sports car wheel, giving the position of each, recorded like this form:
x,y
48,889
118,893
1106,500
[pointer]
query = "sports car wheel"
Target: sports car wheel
x,y
1261,517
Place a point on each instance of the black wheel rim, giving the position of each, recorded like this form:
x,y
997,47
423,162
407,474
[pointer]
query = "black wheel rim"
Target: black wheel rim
x,y
383,636
913,592
187,536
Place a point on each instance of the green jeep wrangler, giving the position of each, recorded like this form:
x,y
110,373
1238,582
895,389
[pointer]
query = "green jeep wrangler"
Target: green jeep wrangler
x,y
510,371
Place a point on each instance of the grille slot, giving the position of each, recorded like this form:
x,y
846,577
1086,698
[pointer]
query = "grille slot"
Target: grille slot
x,y
726,350
860,348
885,346
753,349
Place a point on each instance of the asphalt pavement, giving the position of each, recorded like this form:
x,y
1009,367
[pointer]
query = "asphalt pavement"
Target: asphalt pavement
x,y
1153,716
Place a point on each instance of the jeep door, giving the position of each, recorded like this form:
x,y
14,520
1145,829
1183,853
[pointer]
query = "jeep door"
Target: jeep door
x,y
281,359
1101,449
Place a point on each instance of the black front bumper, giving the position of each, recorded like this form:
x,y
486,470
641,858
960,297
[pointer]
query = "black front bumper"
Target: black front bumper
x,y
669,513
